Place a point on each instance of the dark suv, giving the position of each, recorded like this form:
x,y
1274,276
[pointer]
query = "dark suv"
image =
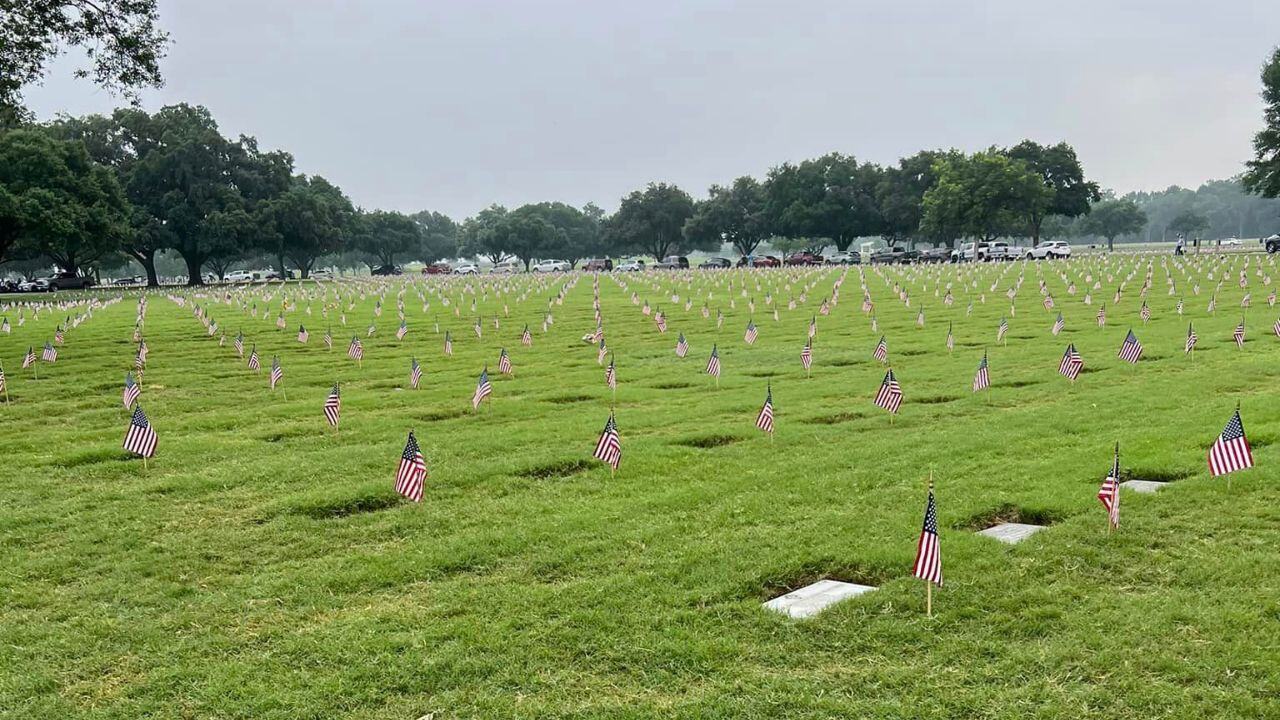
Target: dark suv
x,y
673,262
70,281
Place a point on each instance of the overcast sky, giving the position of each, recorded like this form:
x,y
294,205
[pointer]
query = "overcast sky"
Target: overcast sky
x,y
451,106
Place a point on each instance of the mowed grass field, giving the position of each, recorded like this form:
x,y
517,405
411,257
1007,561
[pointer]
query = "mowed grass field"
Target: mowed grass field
x,y
263,567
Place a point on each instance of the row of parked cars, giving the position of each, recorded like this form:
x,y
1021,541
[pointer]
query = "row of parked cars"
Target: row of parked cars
x,y
57,281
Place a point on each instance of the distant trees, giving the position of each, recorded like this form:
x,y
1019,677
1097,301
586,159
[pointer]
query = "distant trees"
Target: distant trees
x,y
1263,176
1070,195
1188,223
439,235
984,196
830,197
651,221
1112,218
386,236
310,219
735,214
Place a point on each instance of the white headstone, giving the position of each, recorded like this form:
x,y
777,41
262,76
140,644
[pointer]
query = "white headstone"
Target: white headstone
x,y
1011,533
813,599
1142,486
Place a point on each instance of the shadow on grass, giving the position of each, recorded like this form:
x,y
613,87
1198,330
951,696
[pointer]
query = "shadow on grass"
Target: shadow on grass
x,y
1009,513
558,469
782,581
707,442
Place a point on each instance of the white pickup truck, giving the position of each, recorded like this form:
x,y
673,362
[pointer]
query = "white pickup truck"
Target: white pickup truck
x,y
1049,250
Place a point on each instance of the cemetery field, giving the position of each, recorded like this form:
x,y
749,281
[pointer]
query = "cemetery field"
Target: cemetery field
x,y
262,566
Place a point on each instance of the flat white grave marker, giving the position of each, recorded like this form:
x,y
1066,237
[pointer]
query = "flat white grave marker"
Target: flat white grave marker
x,y
813,599
1011,533
1142,486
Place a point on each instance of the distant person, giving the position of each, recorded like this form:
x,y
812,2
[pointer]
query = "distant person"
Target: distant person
x,y
1179,248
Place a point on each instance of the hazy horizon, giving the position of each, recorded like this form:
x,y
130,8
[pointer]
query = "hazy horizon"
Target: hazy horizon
x,y
412,106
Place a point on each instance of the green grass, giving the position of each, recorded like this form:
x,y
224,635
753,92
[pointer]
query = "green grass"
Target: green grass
x,y
261,567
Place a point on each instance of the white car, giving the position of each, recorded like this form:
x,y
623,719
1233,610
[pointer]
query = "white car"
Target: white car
x,y
466,268
240,276
551,266
1232,241
1049,250
507,266
631,266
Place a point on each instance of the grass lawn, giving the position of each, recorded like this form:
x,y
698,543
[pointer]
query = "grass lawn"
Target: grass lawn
x,y
263,567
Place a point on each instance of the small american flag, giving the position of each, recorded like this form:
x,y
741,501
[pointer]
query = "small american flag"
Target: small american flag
x,y
1191,338
1230,452
881,352
328,338
601,351
504,362
1179,306
611,375
951,339
1109,493
141,437
713,362
928,566
131,390
59,336
448,344
526,338
1058,324
239,344
4,326
277,372
813,326
1002,329
2,380
415,373
303,336
982,380
1048,302
280,323
1102,315
806,355
1238,334
412,471
889,396
1276,328
1071,363
1145,312
750,336
404,330
1130,349
50,353
483,389
609,446
355,350
682,346
333,406
764,420
477,329
661,320
254,362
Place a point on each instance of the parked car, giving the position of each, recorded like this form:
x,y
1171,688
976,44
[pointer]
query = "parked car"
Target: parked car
x,y
636,265
598,265
321,275
965,252
673,262
8,286
1272,243
437,268
935,255
551,266
466,268
848,257
803,258
759,261
384,270
69,281
34,285
1231,241
1049,250
507,267
715,263
895,254
239,276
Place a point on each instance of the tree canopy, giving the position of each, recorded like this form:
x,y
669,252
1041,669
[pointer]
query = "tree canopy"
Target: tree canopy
x,y
1263,176
310,219
982,196
735,214
387,235
651,221
829,197
1113,218
1070,195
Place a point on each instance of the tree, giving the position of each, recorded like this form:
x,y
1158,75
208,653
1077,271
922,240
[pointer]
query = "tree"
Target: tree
x,y
527,233
121,38
439,235
900,194
480,235
1263,176
651,221
1112,218
310,219
982,196
829,197
1070,195
734,214
56,202
1188,223
386,235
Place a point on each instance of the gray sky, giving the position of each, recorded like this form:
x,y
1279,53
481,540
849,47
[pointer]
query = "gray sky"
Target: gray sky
x,y
451,106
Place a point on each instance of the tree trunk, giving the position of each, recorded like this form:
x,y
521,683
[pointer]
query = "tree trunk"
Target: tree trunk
x,y
194,263
147,259
1111,244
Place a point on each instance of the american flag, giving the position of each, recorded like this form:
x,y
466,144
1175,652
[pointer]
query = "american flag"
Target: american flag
x,y
682,346
1102,315
609,446
448,344
478,331
813,326
303,335
372,329
1071,363
2,379
483,389
601,352
404,330
280,323
1048,302
239,344
928,566
1276,328
1191,338
750,336
141,437
58,336
1109,493
982,380
504,362
526,338
806,355
4,326
920,318
328,338
1238,334
951,339
415,373
713,362
1179,306
661,320
1130,349
50,353
1213,304
277,372
1002,329
764,420
1059,324
1145,312
140,359
131,390
889,396
1230,452
355,350
611,375
254,363
333,406
881,352
412,470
